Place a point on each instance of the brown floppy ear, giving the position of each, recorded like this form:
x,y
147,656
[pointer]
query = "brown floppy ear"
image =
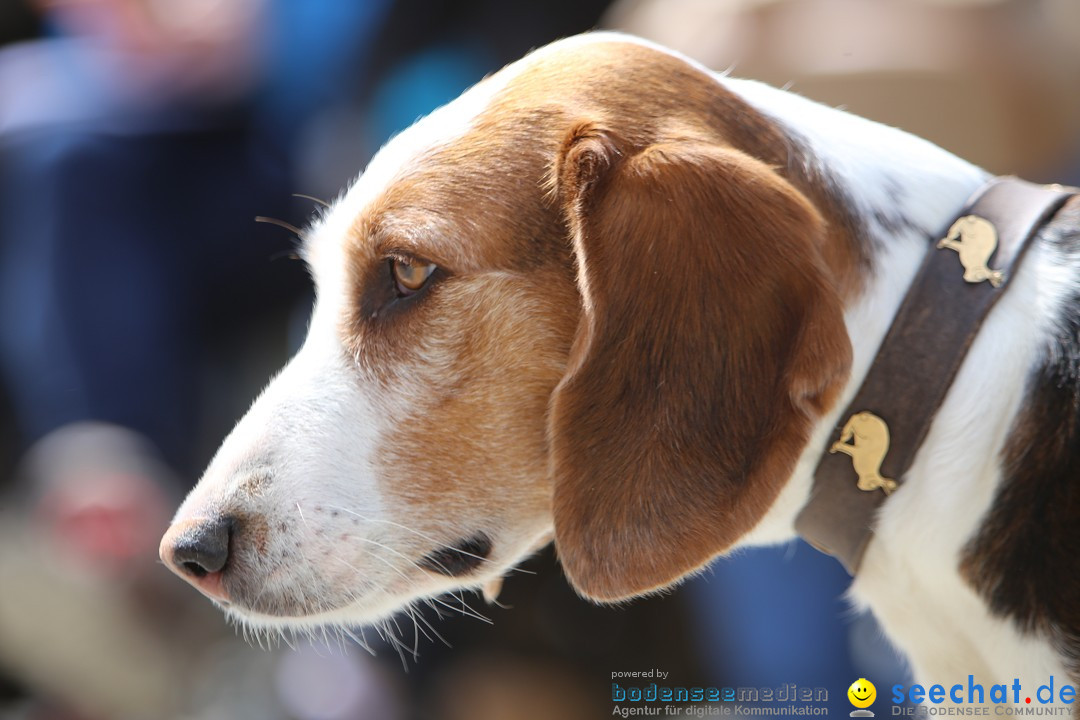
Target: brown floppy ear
x,y
711,337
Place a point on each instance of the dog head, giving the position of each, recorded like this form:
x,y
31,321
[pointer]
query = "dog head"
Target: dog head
x,y
579,302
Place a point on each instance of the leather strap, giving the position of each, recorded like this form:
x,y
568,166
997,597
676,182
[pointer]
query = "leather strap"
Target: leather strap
x,y
917,361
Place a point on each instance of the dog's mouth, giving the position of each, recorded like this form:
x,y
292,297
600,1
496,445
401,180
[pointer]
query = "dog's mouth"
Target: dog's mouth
x,y
251,576
459,559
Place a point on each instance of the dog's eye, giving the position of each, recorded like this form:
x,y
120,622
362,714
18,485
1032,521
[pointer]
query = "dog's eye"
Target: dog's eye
x,y
410,275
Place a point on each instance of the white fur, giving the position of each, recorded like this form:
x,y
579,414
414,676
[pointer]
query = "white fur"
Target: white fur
x,y
319,419
909,578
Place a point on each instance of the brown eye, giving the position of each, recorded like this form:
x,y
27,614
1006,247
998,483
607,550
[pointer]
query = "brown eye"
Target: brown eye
x,y
410,275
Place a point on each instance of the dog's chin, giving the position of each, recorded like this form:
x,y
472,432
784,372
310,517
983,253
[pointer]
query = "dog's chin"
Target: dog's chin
x,y
370,610
285,611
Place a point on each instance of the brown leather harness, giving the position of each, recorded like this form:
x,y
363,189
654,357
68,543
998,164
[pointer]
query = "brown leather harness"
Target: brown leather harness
x,y
880,432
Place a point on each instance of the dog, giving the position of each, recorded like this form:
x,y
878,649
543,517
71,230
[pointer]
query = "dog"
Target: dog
x,y
612,299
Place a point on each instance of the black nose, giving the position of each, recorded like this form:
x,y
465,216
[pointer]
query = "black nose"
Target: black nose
x,y
200,547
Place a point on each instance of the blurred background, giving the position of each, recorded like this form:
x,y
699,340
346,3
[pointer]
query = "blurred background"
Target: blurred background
x,y
142,308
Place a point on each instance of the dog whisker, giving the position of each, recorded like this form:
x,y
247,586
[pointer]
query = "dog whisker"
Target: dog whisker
x,y
281,224
419,616
312,198
395,552
421,535
465,610
361,642
396,642
411,612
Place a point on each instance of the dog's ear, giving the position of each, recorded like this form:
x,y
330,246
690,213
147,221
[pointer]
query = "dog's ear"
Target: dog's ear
x,y
711,336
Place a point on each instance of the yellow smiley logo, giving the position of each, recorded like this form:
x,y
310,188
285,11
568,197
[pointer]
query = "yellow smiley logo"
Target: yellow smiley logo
x,y
862,693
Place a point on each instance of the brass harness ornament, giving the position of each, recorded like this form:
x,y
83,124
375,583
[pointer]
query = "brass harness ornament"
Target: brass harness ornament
x,y
870,443
975,239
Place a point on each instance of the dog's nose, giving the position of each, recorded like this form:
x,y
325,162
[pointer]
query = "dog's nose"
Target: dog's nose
x,y
198,550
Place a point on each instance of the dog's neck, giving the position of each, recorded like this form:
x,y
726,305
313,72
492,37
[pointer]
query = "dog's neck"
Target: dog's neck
x,y
906,191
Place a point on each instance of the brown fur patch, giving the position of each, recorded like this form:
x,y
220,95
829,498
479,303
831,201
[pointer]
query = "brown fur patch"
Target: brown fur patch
x,y
722,263
472,442
711,339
